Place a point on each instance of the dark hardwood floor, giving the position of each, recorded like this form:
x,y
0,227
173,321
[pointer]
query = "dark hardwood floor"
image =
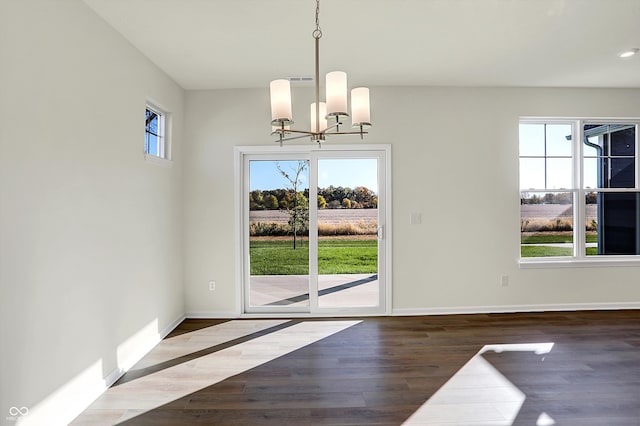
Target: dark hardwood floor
x,y
382,371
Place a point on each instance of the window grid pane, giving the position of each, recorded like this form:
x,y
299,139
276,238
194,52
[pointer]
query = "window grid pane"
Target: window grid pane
x,y
558,140
612,223
609,156
546,156
532,140
546,224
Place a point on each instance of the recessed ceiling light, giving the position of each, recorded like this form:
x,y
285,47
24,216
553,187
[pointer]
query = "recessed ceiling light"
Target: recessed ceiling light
x,y
628,53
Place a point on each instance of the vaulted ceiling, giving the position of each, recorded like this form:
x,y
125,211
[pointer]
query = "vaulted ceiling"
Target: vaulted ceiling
x,y
214,44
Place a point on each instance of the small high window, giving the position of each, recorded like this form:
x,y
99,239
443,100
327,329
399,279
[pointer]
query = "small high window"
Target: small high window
x,y
154,137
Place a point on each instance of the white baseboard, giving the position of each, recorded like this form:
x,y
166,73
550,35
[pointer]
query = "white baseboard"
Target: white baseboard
x,y
144,349
454,310
265,315
72,398
515,308
213,315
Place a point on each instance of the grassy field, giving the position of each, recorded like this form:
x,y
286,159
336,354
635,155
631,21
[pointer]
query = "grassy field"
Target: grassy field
x,y
542,251
553,238
335,256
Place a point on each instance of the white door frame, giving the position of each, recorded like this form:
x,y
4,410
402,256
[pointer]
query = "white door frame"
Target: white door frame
x,y
242,153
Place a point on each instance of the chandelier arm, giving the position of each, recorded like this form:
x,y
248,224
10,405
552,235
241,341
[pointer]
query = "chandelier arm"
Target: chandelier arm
x,y
304,132
347,133
296,137
335,126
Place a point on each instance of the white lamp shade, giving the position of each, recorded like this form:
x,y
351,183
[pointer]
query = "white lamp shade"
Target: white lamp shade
x,y
280,100
336,93
322,116
360,109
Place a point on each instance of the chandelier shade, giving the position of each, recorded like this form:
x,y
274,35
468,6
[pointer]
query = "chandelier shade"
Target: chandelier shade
x,y
360,109
336,87
280,101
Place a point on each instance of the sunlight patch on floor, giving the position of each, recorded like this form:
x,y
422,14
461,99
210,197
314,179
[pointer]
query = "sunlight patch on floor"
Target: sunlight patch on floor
x,y
135,397
478,394
194,341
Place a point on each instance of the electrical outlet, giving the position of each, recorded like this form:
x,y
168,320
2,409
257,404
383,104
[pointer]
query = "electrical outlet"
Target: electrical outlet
x,y
504,280
212,286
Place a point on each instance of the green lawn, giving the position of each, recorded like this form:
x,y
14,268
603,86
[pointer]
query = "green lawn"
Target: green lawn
x,y
553,238
335,256
543,251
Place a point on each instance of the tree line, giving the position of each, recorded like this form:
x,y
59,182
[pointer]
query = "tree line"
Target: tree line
x,y
331,197
556,198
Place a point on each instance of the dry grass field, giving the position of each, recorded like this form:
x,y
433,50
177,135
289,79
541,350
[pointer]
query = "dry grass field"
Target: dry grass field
x,y
533,217
549,211
336,216
331,222
553,217
327,216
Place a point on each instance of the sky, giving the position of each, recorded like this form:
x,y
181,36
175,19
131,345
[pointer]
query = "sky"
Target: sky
x,y
350,173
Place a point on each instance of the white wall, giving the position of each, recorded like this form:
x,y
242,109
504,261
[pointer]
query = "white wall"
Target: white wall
x,y
91,234
455,160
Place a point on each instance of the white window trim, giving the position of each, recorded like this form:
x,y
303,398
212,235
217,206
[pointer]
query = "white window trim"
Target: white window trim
x,y
579,258
572,262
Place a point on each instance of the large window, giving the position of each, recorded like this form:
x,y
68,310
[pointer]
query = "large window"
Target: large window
x,y
579,192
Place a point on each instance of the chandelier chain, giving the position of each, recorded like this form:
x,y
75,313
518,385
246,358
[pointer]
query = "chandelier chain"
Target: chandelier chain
x,y
317,33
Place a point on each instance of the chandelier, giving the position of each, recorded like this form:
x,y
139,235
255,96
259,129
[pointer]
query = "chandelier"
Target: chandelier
x,y
326,117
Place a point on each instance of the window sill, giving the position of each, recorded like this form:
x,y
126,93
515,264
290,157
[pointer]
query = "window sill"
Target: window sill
x,y
158,161
596,262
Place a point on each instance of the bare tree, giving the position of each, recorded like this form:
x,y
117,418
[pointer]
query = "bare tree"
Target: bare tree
x,y
299,213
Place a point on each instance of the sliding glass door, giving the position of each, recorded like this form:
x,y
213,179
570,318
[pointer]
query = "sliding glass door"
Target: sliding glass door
x,y
278,233
348,227
315,232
